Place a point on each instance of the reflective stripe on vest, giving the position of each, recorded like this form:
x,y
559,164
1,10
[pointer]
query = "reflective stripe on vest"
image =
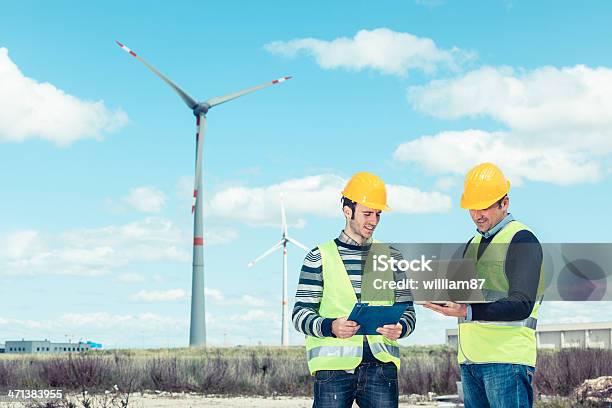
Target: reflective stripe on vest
x,y
385,348
331,353
498,341
335,351
530,322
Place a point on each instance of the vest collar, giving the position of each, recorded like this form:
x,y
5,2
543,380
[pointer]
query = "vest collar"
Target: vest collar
x,y
507,219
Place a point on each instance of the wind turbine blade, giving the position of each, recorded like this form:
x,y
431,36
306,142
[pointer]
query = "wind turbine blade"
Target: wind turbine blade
x,y
298,244
222,99
283,216
201,124
268,252
184,96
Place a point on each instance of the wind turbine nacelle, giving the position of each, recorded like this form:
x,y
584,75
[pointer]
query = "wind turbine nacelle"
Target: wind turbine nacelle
x,y
201,109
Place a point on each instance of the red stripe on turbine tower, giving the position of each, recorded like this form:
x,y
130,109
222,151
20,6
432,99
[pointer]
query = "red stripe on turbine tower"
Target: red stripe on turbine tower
x,y
198,241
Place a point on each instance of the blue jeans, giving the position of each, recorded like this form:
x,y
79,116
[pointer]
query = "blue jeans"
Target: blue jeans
x,y
497,385
371,385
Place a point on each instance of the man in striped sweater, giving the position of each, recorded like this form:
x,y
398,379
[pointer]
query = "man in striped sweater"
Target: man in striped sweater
x,y
310,288
368,376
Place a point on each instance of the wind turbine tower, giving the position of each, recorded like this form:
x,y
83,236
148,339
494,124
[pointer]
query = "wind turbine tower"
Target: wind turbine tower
x,y
197,330
282,244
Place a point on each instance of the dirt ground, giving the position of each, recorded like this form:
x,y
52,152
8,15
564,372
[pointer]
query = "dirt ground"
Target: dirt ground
x,y
149,401
197,401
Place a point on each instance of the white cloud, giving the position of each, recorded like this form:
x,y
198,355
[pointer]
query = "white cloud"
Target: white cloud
x,y
256,315
151,239
250,300
558,126
380,49
184,188
313,195
110,329
214,294
158,278
146,329
97,320
160,295
130,278
244,300
21,243
220,236
261,205
146,199
410,200
446,183
567,100
93,252
32,109
457,152
104,320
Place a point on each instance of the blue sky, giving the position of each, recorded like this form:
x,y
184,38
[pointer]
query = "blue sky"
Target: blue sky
x,y
97,153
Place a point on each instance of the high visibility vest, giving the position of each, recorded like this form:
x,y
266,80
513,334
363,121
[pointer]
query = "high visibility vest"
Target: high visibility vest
x,y
498,342
331,353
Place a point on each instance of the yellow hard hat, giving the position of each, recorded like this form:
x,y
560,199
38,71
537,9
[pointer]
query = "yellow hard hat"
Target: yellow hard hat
x,y
367,189
483,186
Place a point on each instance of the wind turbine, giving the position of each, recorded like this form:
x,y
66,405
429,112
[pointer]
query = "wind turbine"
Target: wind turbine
x,y
197,330
282,244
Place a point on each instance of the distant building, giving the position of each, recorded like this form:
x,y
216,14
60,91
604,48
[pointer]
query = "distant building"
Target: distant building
x,y
554,336
93,345
43,346
1,348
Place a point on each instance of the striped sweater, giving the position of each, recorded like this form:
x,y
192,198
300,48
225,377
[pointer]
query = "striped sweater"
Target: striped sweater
x,y
306,318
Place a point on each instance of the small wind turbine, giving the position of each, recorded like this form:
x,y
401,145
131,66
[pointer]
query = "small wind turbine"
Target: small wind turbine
x,y
282,244
197,331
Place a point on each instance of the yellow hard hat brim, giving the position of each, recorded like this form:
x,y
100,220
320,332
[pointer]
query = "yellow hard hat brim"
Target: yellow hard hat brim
x,y
482,204
369,204
376,206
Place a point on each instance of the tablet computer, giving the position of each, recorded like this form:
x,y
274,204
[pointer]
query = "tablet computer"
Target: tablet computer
x,y
371,317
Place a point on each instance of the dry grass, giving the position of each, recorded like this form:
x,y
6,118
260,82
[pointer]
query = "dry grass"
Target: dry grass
x,y
559,372
265,371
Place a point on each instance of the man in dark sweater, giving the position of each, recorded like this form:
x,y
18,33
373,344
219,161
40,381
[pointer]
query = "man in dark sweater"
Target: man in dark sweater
x,y
497,344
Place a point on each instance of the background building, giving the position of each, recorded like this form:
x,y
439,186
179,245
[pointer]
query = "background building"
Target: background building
x,y
589,335
45,346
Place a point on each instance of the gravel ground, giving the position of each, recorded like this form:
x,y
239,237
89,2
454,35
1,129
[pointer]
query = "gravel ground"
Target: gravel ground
x,y
154,401
196,401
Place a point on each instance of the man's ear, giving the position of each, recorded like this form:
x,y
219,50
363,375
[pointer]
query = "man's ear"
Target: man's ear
x,y
506,202
347,212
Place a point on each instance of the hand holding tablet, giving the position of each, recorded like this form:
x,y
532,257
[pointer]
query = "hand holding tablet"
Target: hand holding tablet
x,y
370,318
